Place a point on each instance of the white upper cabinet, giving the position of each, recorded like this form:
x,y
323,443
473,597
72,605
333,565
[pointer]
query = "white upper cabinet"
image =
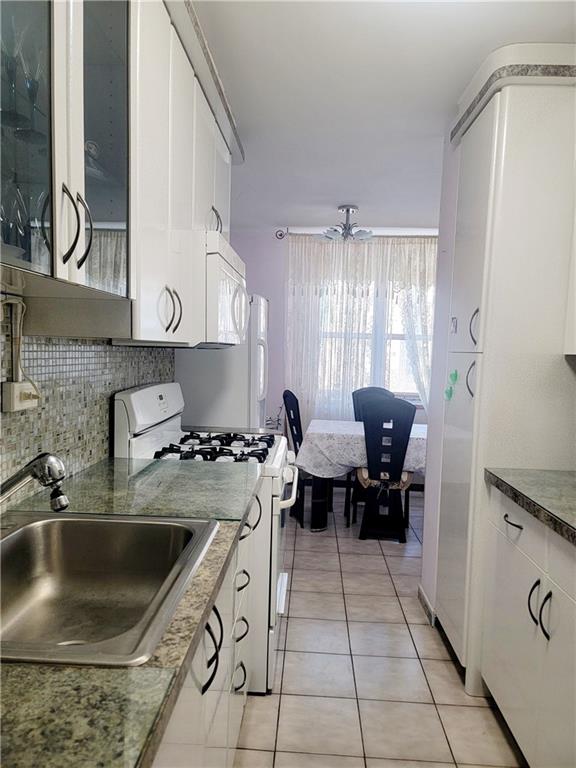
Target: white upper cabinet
x,y
222,182
212,170
188,263
204,137
472,240
155,308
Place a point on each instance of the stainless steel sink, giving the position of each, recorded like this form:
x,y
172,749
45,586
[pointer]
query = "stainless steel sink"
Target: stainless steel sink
x,y
95,589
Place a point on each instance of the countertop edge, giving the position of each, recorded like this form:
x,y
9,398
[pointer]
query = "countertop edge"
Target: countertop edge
x,y
550,520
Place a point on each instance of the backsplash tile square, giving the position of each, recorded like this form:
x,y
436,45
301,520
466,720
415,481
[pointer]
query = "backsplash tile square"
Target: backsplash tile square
x,y
76,378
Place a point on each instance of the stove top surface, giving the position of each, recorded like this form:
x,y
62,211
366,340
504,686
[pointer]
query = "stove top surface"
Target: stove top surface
x,y
234,447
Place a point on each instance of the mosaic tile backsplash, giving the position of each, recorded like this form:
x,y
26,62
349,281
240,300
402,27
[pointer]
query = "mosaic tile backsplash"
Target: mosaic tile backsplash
x,y
76,378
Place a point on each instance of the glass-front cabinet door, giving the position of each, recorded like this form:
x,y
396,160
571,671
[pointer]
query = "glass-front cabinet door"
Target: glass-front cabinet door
x,y
25,125
106,144
64,124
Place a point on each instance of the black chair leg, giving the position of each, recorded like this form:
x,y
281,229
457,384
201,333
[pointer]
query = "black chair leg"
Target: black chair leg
x,y
407,508
347,499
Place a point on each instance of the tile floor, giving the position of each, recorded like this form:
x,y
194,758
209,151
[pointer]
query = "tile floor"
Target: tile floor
x,y
363,680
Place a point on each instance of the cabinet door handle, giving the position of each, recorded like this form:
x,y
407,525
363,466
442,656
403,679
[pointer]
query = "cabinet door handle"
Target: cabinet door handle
x,y
180,308
257,523
530,611
474,315
43,223
245,535
243,683
214,660
169,292
70,251
242,587
540,612
514,525
86,207
218,219
218,644
243,635
468,372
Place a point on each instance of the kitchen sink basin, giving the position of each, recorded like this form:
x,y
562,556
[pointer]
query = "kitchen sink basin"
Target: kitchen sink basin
x,y
95,589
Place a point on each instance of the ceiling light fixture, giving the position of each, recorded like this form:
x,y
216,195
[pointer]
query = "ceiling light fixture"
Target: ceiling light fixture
x,y
346,230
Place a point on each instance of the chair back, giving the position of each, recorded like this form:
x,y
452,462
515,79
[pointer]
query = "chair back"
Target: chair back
x,y
360,396
294,421
387,426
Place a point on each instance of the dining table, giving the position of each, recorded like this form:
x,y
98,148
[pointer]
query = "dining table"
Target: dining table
x,y
332,448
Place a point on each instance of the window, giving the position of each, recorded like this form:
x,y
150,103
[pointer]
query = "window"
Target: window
x,y
358,314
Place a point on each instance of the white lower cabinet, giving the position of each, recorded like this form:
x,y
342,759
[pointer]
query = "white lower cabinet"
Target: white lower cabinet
x,y
205,724
529,643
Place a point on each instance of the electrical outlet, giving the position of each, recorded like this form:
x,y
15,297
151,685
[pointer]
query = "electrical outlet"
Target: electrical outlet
x,y
18,396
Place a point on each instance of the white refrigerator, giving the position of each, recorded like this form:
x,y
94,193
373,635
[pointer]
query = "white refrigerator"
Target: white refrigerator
x,y
227,387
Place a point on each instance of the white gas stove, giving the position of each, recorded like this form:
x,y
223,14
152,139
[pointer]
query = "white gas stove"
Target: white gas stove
x,y
148,425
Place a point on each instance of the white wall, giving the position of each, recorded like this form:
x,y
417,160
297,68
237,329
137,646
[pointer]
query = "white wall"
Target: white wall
x,y
266,260
438,372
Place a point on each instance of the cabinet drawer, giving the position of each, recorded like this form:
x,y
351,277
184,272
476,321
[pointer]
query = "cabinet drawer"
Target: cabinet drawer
x,y
562,563
530,537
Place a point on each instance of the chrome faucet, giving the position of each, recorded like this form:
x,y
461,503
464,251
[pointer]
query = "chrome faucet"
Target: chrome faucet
x,y
49,470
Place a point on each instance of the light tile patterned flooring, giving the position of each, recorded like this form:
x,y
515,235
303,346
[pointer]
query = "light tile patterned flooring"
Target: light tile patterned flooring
x,y
364,681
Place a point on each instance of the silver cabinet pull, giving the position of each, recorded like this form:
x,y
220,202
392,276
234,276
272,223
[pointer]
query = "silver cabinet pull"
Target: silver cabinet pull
x,y
70,251
474,315
84,205
468,372
169,292
180,308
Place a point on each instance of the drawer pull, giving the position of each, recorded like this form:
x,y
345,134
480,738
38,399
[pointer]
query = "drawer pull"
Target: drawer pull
x,y
215,659
514,525
243,586
248,532
243,683
542,627
257,523
530,611
243,635
218,644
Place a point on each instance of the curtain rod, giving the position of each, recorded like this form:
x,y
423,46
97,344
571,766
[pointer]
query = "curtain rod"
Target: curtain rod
x,y
378,231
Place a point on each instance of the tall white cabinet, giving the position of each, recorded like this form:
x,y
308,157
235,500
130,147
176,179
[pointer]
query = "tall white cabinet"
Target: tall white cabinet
x,y
510,393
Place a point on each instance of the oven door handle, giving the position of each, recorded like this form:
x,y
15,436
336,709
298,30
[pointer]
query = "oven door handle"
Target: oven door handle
x,y
287,503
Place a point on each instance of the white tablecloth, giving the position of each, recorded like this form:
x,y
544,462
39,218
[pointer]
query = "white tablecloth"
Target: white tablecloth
x,y
333,448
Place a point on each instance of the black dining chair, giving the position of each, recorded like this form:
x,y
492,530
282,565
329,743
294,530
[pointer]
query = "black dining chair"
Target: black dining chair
x,y
354,491
387,427
292,408
359,397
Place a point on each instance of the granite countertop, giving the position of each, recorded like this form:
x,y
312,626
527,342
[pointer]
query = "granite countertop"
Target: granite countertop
x,y
547,494
64,716
189,489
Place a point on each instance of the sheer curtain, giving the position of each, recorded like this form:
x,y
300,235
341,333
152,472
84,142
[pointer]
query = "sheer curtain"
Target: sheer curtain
x,y
358,314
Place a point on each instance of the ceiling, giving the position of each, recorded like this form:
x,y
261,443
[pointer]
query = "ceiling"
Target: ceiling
x,y
342,102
